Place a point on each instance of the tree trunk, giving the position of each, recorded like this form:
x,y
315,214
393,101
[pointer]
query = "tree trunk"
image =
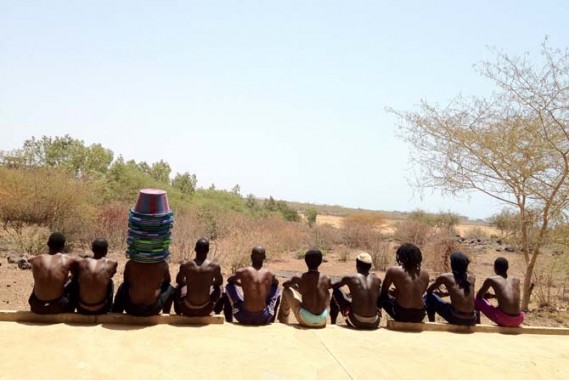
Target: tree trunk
x,y
526,293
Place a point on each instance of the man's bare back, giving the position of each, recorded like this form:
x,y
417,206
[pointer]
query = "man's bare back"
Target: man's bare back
x,y
50,272
506,291
460,301
199,276
94,277
256,284
364,291
145,281
409,286
314,287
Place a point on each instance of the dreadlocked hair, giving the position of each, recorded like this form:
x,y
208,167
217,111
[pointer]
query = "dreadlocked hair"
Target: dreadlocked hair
x,y
409,256
459,266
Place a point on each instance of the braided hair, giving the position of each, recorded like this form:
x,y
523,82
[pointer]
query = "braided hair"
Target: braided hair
x,y
459,266
409,257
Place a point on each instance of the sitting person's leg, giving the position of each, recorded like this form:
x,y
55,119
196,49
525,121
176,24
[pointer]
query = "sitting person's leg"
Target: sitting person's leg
x,y
498,316
291,299
71,294
339,302
214,294
110,294
273,301
166,298
387,303
435,304
179,296
121,299
233,302
484,306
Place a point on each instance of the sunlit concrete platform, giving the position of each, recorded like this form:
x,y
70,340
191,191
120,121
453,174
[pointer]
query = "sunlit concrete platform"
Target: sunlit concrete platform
x,y
435,326
112,351
123,319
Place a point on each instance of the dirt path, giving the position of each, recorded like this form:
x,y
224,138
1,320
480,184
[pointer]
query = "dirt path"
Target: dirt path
x,y
233,351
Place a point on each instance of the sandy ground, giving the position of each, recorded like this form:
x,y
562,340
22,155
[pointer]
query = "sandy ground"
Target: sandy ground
x,y
390,224
232,351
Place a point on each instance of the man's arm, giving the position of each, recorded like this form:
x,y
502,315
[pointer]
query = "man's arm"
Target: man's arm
x,y
485,286
217,276
295,280
126,273
167,277
235,278
343,281
435,285
112,268
275,280
73,266
181,277
387,281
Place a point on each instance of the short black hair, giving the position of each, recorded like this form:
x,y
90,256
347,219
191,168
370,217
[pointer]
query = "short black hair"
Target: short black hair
x,y
313,258
409,256
501,265
360,265
258,254
56,241
202,246
100,246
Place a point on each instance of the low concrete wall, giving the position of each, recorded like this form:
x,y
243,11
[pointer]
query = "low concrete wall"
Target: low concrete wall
x,y
119,319
435,326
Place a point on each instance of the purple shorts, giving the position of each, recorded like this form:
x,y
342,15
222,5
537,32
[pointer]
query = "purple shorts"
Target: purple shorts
x,y
498,316
246,317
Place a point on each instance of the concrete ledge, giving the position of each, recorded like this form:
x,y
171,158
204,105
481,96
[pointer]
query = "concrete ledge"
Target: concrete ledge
x,y
119,319
435,326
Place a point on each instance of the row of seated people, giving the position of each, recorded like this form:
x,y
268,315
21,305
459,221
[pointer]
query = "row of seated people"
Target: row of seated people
x,y
251,295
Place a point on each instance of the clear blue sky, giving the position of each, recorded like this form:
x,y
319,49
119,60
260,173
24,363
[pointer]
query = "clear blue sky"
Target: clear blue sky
x,y
284,98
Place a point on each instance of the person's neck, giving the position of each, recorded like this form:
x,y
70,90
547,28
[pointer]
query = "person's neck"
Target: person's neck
x,y
364,273
504,275
52,252
257,266
199,259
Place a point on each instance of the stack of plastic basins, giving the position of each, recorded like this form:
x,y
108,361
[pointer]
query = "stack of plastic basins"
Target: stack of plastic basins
x,y
150,227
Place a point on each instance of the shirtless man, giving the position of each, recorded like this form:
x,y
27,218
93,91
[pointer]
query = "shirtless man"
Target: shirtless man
x,y
308,295
146,289
460,286
405,302
199,284
260,297
53,292
506,291
96,286
359,309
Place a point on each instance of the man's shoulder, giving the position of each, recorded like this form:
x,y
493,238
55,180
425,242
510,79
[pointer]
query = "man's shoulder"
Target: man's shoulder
x,y
110,262
213,264
394,269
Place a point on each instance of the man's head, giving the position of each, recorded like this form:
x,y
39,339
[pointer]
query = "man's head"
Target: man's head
x,y
202,247
313,259
363,262
100,246
459,262
56,243
409,257
257,255
501,267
